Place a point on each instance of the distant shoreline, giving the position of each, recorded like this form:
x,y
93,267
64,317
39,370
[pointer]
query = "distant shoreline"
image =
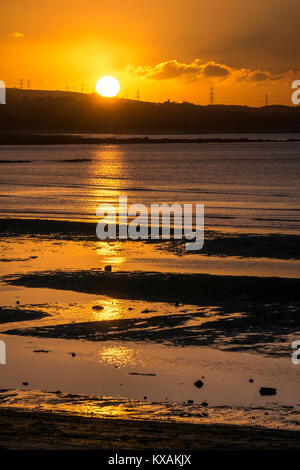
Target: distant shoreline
x,y
65,139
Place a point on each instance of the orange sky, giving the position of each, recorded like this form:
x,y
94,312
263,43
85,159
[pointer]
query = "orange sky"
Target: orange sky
x,y
166,49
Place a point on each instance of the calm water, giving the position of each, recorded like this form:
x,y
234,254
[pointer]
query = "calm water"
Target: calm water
x,y
244,186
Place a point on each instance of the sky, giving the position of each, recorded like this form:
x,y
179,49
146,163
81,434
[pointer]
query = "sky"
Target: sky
x,y
166,49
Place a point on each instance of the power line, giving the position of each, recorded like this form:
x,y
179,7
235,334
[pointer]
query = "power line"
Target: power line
x,y
211,96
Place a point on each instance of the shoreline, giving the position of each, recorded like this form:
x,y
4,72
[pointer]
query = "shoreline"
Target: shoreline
x,y
217,242
64,139
23,430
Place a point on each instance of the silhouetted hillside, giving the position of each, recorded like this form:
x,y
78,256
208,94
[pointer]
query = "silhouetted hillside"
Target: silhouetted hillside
x,y
29,110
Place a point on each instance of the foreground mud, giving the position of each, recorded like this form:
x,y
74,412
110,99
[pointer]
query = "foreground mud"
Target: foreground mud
x,y
20,430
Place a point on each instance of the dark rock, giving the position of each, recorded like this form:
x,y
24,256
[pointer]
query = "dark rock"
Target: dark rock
x,y
198,383
267,391
25,384
190,402
204,403
97,307
108,268
251,380
140,373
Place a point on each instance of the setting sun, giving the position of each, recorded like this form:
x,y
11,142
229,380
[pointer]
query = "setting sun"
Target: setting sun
x,y
108,87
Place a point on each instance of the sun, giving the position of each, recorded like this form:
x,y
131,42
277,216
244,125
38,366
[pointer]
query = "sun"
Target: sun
x,y
108,86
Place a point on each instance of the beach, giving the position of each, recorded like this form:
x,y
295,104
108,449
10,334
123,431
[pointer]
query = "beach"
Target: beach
x,y
166,348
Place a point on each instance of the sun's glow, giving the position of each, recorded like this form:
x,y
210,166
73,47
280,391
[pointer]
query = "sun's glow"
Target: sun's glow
x,y
108,86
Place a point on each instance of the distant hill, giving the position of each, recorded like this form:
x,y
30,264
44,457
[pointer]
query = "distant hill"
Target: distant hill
x,y
34,110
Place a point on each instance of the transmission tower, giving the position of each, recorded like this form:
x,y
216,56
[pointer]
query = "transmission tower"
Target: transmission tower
x,y
137,95
211,96
21,83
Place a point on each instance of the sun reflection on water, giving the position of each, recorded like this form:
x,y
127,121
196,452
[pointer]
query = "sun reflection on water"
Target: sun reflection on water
x,y
119,356
110,252
109,309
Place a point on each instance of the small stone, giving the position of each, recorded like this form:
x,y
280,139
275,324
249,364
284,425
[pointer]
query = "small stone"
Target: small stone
x,y
25,384
190,402
97,307
145,398
73,354
204,403
267,391
251,380
198,383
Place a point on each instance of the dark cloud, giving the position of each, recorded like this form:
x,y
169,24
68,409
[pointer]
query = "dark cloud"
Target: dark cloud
x,y
196,69
216,70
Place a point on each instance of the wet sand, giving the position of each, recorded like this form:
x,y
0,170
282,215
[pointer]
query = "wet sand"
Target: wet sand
x,y
38,431
8,315
217,243
197,289
141,312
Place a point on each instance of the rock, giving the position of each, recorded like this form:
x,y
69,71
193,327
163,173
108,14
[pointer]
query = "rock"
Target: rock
x,y
145,398
72,354
204,403
251,380
267,391
198,383
25,384
190,402
140,373
97,307
108,268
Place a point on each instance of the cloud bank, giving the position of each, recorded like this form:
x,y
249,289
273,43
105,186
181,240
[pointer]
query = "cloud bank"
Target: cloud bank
x,y
172,69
